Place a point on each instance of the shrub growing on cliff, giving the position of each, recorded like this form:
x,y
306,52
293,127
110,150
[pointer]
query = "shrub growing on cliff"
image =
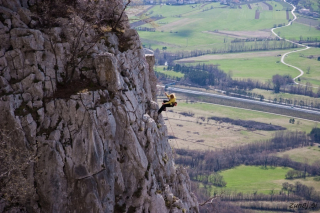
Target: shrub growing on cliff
x,y
16,162
83,24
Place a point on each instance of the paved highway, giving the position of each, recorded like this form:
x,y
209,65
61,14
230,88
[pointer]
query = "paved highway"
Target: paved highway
x,y
289,107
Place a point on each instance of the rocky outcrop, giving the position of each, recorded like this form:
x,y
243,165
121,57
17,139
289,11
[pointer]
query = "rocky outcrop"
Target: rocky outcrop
x,y
87,136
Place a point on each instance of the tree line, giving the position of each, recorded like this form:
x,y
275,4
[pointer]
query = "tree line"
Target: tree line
x,y
257,154
210,75
291,194
254,39
201,74
204,165
170,57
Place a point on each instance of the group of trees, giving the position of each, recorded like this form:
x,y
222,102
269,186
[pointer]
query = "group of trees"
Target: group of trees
x,y
281,80
169,57
278,100
259,153
210,75
315,134
291,120
249,124
302,190
308,39
254,39
208,178
201,74
205,165
291,197
292,174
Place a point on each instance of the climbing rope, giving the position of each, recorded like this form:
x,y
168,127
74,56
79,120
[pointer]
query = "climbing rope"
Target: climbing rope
x,y
172,130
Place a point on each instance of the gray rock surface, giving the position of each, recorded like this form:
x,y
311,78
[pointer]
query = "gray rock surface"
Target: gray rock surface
x,y
92,144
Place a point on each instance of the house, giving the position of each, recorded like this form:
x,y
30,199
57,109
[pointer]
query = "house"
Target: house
x,y
304,11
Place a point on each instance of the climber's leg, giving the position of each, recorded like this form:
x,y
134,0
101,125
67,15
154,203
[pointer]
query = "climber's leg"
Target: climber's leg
x,y
162,108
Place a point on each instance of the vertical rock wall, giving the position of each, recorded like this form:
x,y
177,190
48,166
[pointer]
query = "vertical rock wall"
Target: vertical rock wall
x,y
100,147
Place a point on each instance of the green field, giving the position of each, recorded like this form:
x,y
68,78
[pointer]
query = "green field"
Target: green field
x,y
189,30
303,60
188,130
234,113
248,179
280,5
296,30
258,68
168,72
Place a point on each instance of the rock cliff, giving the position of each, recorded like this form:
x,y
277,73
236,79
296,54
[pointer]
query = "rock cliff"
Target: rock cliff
x,y
78,120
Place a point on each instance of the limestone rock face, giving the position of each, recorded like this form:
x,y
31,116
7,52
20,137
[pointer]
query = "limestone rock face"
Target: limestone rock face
x,y
94,143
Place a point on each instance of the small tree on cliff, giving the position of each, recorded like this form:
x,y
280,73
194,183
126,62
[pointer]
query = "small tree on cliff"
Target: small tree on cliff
x,y
88,23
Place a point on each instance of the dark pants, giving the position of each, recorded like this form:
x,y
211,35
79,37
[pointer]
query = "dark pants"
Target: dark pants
x,y
163,107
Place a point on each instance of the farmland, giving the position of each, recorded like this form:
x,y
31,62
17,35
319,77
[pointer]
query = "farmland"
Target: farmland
x,y
232,34
249,179
168,72
308,61
252,178
296,30
248,65
212,135
186,26
304,155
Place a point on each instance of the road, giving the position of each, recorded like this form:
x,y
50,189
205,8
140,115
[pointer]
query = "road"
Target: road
x,y
284,55
174,89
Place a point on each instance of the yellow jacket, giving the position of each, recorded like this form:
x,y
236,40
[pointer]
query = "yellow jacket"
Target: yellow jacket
x,y
172,100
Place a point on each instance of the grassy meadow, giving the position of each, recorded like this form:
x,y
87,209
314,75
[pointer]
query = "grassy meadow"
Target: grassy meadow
x,y
168,72
248,179
303,155
248,65
214,26
304,60
189,30
193,133
296,30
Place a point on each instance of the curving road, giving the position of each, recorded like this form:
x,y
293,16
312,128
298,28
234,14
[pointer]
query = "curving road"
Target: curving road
x,y
284,55
175,89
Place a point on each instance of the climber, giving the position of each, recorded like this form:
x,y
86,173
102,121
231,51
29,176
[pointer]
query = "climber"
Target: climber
x,y
171,103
